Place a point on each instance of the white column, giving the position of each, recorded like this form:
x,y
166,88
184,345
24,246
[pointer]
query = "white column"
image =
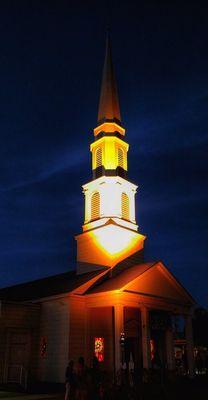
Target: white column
x,y
189,344
118,329
170,349
87,336
145,337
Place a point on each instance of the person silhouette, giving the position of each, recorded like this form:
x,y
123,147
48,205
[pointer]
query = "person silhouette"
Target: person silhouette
x,y
70,379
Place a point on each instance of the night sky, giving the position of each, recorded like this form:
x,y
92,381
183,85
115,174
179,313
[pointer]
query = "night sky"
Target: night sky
x,y
51,56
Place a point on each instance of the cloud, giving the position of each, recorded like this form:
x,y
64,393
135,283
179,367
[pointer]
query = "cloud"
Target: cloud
x,y
184,125
74,159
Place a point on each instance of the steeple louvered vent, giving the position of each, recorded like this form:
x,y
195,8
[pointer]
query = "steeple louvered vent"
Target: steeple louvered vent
x,y
124,206
98,157
120,158
95,206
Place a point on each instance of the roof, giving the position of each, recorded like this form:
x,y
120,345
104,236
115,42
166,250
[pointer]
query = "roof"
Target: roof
x,y
109,109
136,278
159,282
46,287
117,281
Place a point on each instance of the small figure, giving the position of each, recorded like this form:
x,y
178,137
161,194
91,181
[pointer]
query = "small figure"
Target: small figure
x,y
95,379
70,381
81,393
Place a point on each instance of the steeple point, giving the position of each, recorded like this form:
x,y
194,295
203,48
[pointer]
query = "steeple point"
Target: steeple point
x,y
109,110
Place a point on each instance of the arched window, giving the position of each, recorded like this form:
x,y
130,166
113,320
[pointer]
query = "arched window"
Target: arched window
x,y
98,157
124,206
95,206
120,157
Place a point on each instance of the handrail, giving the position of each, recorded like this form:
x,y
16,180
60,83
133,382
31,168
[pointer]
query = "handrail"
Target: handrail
x,y
22,376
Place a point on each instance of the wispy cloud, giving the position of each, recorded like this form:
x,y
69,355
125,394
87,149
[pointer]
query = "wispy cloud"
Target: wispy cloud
x,y
73,160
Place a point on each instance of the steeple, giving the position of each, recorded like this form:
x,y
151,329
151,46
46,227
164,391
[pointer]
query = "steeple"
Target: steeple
x,y
109,110
110,232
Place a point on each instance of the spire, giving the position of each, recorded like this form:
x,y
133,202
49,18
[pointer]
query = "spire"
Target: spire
x,y
109,109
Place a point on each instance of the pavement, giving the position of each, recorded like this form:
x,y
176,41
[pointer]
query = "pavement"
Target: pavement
x,y
196,389
26,396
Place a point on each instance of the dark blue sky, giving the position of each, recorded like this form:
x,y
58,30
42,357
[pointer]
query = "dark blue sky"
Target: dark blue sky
x,y
51,56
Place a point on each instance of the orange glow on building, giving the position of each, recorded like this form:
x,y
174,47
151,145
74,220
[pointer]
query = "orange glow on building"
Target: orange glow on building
x,y
109,127
107,245
115,241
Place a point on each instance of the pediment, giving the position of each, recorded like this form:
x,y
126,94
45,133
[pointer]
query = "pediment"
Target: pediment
x,y
157,281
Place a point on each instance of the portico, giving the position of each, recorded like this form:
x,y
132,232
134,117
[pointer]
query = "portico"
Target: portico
x,y
127,304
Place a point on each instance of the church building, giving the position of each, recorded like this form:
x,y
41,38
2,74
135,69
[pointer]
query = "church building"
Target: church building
x,y
116,305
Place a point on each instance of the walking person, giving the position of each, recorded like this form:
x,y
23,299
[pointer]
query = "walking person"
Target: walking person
x,y
95,380
82,388
70,381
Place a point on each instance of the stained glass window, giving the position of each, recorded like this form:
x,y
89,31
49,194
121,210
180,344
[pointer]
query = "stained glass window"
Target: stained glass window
x,y
43,347
99,348
152,349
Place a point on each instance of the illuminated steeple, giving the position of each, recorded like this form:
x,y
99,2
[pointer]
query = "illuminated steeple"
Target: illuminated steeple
x,y
110,233
109,151
109,110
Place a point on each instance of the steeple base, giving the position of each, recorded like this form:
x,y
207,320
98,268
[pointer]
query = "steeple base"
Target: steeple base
x,y
107,246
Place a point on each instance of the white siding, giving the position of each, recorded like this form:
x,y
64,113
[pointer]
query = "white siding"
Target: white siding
x,y
55,328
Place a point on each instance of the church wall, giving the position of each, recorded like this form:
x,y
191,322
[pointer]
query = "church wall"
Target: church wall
x,y
54,331
77,335
86,324
22,323
101,325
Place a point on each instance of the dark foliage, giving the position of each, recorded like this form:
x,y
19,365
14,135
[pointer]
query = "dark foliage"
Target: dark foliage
x,y
200,327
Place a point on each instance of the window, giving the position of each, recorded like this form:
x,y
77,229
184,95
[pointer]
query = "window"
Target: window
x,y
43,347
99,348
95,206
98,157
120,157
124,206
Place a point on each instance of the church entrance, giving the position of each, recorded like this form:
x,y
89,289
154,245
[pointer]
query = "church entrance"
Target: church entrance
x,y
160,322
158,344
133,340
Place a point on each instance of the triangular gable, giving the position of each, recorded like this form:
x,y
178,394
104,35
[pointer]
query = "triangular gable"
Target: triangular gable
x,y
116,280
159,282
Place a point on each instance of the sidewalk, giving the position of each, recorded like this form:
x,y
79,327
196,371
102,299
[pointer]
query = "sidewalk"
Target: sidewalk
x,y
25,396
